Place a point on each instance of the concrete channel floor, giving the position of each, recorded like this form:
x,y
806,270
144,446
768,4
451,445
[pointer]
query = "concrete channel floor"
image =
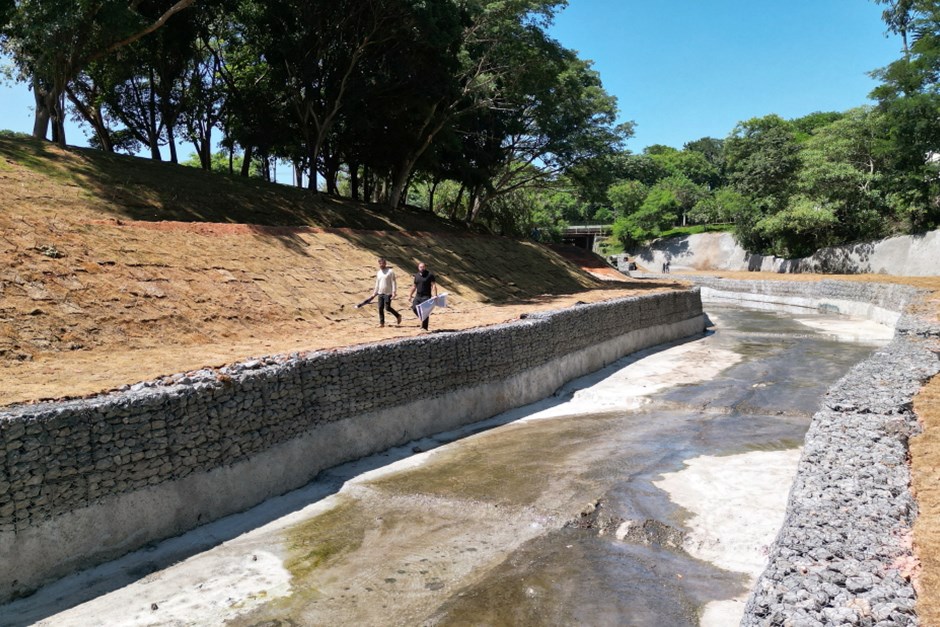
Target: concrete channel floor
x,y
647,491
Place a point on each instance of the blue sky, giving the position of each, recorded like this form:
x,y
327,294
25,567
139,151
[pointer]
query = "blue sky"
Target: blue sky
x,y
686,69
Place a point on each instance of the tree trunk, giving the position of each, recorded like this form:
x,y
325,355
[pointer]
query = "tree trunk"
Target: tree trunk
x,y
367,185
431,191
41,119
246,161
57,118
207,147
50,108
354,181
331,175
400,181
457,201
171,141
477,203
92,114
312,162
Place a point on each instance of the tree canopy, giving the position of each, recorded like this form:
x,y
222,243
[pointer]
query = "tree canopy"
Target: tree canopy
x,y
468,108
373,97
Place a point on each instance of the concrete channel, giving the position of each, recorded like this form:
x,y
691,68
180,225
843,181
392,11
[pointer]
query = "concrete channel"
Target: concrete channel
x,y
649,492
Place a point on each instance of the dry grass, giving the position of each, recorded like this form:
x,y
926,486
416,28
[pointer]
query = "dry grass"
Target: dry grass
x,y
96,293
925,468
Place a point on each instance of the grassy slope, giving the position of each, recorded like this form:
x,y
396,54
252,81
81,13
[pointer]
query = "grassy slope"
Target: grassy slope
x,y
88,263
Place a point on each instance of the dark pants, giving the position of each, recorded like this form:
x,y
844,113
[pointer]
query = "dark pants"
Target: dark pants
x,y
414,307
385,302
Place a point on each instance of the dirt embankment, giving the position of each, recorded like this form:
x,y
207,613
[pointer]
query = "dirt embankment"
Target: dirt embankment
x,y
95,297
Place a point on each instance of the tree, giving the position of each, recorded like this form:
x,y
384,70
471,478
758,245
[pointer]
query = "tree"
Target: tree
x,y
316,54
556,116
762,158
899,17
710,148
798,230
52,41
843,169
910,99
492,35
626,197
805,126
690,164
722,205
657,214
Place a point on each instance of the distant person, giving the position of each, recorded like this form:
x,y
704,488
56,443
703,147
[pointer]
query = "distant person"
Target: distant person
x,y
424,283
385,290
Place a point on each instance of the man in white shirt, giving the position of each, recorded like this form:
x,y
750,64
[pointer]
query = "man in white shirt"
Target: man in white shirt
x,y
385,289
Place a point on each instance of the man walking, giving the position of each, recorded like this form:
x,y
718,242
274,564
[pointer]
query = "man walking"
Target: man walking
x,y
385,289
424,283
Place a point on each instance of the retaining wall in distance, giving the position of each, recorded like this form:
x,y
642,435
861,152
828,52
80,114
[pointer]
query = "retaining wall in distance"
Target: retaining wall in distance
x,y
903,255
881,302
84,481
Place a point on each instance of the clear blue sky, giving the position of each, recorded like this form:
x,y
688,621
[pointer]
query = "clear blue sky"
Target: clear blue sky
x,y
686,69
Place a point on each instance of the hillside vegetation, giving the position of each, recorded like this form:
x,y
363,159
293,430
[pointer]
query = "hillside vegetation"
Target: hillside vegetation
x,y
118,269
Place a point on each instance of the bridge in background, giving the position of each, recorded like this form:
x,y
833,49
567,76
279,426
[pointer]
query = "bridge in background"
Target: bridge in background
x,y
584,235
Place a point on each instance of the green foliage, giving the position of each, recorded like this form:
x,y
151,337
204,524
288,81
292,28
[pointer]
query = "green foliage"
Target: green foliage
x,y
805,126
722,206
910,100
222,162
689,164
610,246
657,213
710,148
843,168
13,134
626,197
799,230
681,231
762,157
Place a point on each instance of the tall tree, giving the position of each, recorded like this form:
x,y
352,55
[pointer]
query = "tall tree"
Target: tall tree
x,y
559,116
317,53
910,99
762,157
52,41
490,31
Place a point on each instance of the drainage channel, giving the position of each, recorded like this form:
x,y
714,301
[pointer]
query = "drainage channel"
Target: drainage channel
x,y
643,494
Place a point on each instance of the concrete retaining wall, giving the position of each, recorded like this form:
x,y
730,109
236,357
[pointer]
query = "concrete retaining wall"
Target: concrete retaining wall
x,y
86,481
880,302
905,255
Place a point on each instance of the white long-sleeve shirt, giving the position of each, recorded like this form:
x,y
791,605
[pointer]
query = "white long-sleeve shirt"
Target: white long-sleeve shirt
x,y
385,282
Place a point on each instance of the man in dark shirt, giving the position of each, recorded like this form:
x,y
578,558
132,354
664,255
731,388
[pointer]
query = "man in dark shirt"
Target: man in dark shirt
x,y
424,283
